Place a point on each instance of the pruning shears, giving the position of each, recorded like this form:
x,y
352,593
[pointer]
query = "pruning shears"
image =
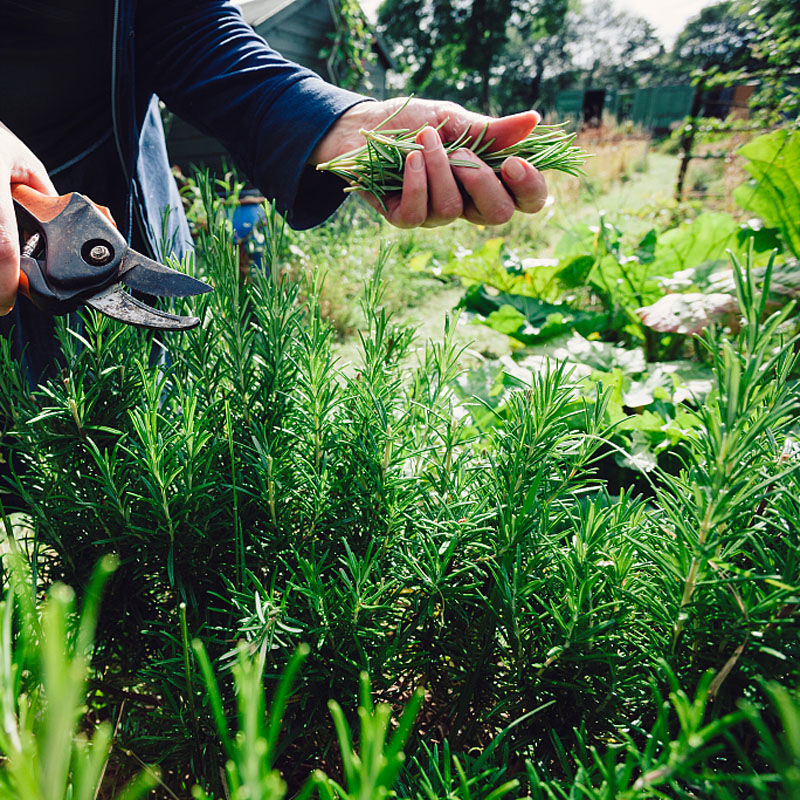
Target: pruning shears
x,y
74,255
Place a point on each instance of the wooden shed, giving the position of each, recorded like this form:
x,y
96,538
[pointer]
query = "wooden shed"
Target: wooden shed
x,y
299,30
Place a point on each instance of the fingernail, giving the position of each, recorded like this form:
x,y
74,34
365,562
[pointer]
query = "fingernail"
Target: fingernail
x,y
416,162
430,139
514,169
464,154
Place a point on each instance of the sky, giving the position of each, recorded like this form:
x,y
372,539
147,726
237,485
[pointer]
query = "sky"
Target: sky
x,y
666,16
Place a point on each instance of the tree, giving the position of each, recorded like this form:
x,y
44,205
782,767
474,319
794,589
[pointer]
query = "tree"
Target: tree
x,y
740,41
512,54
576,46
456,48
776,44
611,46
719,36
537,42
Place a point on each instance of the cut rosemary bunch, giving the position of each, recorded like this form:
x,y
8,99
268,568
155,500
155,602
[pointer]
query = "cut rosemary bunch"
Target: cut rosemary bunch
x,y
377,166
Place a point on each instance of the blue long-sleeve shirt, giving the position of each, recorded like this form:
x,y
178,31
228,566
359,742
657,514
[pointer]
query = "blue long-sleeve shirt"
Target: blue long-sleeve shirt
x,y
212,69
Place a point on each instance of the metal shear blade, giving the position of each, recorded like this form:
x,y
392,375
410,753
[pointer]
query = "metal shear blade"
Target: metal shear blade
x,y
116,303
145,275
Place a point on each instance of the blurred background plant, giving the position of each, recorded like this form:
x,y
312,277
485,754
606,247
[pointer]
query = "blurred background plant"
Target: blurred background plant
x,y
45,649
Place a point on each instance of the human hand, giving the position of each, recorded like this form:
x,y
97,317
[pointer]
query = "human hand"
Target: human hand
x,y
17,165
432,187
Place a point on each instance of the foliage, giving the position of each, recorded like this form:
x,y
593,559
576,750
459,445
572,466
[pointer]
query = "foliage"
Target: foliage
x,y
719,34
252,750
619,312
519,53
612,46
44,659
627,770
351,47
777,45
774,191
46,666
449,46
538,46
372,772
744,42
677,767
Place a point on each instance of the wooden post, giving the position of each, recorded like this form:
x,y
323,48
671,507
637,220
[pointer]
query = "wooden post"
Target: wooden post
x,y
689,131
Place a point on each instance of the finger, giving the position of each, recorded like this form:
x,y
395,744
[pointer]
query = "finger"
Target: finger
x,y
505,131
373,201
493,204
526,184
411,208
31,172
444,197
9,248
35,178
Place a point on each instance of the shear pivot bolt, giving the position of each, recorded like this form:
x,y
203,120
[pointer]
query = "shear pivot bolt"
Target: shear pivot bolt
x,y
99,254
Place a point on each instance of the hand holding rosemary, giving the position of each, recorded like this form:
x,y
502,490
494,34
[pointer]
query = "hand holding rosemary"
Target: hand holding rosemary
x,y
377,167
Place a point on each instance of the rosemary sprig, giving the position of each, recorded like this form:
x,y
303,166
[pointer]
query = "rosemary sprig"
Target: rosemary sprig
x,y
377,166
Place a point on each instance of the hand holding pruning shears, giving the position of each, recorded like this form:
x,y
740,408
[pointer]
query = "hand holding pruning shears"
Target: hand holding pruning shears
x,y
18,165
74,255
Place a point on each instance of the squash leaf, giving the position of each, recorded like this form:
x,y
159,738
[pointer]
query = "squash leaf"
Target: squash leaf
x,y
773,193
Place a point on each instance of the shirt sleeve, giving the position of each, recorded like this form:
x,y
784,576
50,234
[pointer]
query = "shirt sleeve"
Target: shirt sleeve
x,y
210,67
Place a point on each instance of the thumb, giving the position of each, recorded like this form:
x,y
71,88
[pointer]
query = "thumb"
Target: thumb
x,y
9,247
509,130
504,130
34,176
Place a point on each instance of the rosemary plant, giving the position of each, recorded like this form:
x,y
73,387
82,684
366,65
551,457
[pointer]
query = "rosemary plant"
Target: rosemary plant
x,y
253,489
377,166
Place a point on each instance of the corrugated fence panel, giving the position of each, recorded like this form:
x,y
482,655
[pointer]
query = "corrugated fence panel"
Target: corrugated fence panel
x,y
661,106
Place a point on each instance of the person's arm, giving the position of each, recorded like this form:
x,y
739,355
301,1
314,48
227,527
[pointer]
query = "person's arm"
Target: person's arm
x,y
17,165
279,119
211,69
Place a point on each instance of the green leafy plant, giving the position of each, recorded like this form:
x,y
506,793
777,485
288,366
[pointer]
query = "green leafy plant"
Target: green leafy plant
x,y
372,772
251,751
674,761
622,312
255,489
773,193
351,45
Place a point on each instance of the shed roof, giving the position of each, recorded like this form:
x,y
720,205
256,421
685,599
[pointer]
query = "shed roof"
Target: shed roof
x,y
257,12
